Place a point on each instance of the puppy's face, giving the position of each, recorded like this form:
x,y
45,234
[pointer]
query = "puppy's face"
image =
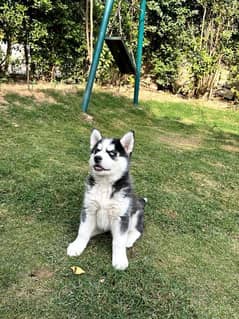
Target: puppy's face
x,y
110,156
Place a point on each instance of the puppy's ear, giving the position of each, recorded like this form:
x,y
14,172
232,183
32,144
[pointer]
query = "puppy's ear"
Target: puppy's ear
x,y
127,141
94,138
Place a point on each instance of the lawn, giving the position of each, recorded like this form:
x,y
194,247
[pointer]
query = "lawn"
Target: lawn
x,y
186,162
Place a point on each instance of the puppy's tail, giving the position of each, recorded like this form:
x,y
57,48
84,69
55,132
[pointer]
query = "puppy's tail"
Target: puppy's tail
x,y
143,201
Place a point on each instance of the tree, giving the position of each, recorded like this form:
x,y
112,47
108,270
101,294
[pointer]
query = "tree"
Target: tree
x,y
194,36
11,19
89,25
214,46
187,43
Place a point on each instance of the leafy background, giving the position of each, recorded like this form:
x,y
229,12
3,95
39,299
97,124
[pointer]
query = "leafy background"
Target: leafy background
x,y
189,45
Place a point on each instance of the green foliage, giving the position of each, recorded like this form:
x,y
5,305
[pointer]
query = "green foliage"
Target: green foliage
x,y
201,34
165,34
11,18
58,44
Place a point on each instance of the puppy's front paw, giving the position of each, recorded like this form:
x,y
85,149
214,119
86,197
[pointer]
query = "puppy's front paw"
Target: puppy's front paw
x,y
120,264
75,249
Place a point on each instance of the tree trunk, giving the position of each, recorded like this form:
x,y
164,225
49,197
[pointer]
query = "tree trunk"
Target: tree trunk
x,y
89,24
91,29
203,26
87,29
53,73
8,54
26,52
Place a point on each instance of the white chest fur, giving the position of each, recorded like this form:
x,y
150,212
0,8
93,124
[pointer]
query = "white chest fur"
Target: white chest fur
x,y
100,202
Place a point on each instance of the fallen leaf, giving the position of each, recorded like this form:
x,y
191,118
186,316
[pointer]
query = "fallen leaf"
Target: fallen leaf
x,y
77,270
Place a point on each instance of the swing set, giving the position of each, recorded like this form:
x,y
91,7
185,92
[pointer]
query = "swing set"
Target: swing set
x,y
122,56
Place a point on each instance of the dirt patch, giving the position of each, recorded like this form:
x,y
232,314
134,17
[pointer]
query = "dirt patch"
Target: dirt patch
x,y
3,103
187,121
217,164
2,100
181,142
205,181
230,148
41,274
88,118
36,93
170,213
31,286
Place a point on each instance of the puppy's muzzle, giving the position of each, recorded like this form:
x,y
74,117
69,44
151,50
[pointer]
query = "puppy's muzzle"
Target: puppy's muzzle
x,y
97,159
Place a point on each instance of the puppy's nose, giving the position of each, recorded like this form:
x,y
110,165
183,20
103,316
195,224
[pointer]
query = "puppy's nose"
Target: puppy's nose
x,y
97,159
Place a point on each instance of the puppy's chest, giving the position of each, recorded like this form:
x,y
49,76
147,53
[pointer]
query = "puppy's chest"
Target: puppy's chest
x,y
107,206
102,197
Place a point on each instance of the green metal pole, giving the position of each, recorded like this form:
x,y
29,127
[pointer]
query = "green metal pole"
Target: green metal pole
x,y
139,50
97,52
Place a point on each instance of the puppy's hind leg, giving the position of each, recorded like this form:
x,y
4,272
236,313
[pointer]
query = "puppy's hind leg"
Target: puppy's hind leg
x,y
136,227
133,235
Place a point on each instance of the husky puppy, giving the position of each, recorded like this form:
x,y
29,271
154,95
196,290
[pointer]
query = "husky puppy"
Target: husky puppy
x,y
109,202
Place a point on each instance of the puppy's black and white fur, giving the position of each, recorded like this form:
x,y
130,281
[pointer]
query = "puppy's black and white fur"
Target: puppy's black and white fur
x,y
110,203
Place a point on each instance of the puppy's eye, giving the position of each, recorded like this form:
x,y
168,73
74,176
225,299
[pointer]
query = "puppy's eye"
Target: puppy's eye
x,y
112,153
97,150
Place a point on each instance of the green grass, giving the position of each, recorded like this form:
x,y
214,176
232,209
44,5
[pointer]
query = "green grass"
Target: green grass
x,y
186,161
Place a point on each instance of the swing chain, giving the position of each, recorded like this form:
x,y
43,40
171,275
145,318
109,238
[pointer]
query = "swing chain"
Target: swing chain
x,y
116,15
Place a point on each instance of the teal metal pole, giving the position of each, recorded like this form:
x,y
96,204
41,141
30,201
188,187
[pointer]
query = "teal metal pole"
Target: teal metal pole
x,y
97,52
139,50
